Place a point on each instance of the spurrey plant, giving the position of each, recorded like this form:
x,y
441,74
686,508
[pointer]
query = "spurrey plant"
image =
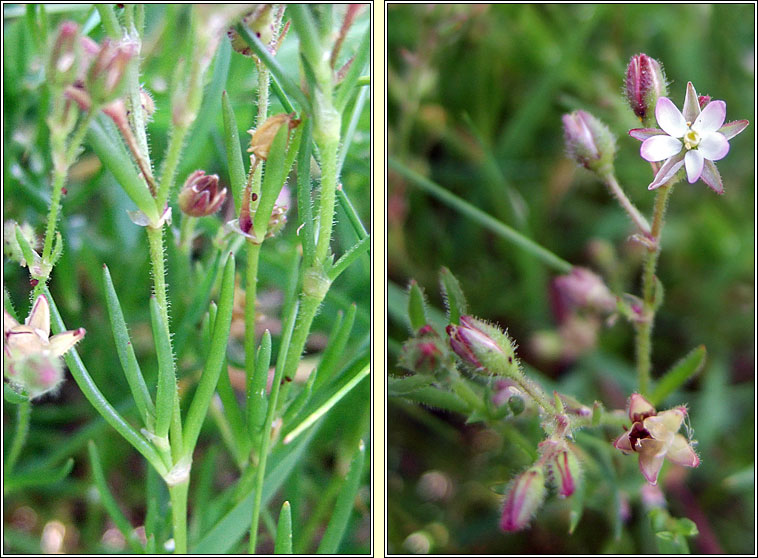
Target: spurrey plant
x,y
473,366
297,76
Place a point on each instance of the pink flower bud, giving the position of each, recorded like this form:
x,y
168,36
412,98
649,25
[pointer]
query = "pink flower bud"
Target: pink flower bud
x,y
105,75
703,100
565,471
64,55
200,195
424,352
523,499
645,83
35,374
588,141
581,289
482,345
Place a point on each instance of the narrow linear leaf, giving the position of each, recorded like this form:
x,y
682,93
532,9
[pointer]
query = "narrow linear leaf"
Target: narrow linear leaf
x,y
234,159
194,312
96,398
353,253
257,403
335,349
352,214
455,300
302,398
164,398
416,306
397,387
283,544
273,180
109,502
212,369
438,399
335,530
328,404
678,374
304,202
125,352
115,158
348,84
38,478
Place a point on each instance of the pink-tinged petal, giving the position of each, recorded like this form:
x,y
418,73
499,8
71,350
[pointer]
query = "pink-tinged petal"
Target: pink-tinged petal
x,y
24,340
691,108
667,171
711,119
639,408
669,118
731,129
714,146
693,163
9,322
623,443
664,425
39,317
63,342
681,453
643,133
712,177
658,148
651,460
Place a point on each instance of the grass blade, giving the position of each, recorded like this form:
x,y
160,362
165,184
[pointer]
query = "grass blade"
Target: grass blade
x,y
344,506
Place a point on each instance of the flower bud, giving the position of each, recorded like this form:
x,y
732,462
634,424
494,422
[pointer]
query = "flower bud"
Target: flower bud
x,y
11,247
565,472
581,289
523,499
483,346
261,23
105,76
703,100
62,65
588,141
424,352
200,195
645,83
34,374
263,135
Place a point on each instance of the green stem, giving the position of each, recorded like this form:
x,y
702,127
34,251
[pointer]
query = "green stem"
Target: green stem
x,y
626,204
178,495
253,254
328,151
155,239
22,429
645,327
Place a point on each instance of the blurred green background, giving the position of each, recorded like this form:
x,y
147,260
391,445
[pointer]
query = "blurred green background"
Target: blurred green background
x,y
475,98
97,230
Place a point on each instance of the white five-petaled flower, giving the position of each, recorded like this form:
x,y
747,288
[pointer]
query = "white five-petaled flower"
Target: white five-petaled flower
x,y
692,138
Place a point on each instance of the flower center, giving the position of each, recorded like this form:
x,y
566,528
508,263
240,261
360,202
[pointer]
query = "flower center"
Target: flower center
x,y
691,137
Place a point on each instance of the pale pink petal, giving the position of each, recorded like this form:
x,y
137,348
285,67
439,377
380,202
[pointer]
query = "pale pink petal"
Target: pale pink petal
x,y
658,148
623,443
669,118
714,146
691,108
681,453
643,133
24,340
61,343
9,322
693,163
711,119
667,171
39,317
731,129
651,460
639,408
712,177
